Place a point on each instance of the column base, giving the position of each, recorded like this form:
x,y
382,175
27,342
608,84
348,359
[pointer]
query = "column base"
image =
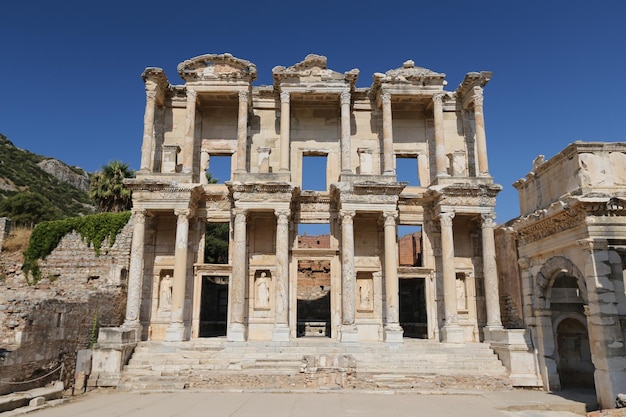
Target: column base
x,y
281,333
236,333
493,333
348,333
134,326
176,332
453,333
393,334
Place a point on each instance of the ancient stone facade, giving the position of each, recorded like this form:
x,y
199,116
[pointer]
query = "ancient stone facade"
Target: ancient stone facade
x,y
571,256
361,134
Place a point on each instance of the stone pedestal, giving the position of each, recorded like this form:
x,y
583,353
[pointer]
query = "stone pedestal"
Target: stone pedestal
x,y
176,332
348,333
393,334
514,349
236,333
113,350
280,333
453,333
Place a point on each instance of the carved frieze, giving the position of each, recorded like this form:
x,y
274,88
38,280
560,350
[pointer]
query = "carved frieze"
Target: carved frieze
x,y
550,226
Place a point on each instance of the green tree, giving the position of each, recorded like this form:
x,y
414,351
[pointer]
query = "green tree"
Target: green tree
x,y
216,243
28,209
107,189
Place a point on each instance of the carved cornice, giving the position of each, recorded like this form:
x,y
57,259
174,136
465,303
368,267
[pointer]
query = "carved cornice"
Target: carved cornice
x,y
538,230
376,188
477,195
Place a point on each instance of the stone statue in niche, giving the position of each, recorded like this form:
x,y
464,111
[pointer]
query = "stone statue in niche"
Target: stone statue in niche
x,y
165,295
262,284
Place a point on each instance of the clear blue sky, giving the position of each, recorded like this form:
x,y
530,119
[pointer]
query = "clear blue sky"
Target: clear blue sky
x,y
71,86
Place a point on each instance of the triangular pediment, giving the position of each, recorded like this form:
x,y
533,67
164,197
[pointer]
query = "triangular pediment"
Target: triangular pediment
x,y
409,74
213,67
313,70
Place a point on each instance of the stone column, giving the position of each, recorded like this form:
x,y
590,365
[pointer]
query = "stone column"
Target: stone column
x,y
490,274
242,131
440,140
205,158
190,131
348,331
176,330
346,163
135,274
451,331
285,115
147,147
236,326
281,283
481,139
393,331
388,167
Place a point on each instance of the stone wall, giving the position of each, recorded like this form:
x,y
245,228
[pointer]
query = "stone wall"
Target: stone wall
x,y
42,326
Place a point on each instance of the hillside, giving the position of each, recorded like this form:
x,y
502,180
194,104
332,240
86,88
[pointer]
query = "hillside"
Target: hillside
x,y
33,181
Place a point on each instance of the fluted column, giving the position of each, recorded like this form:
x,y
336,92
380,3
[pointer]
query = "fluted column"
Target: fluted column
x,y
176,330
147,146
451,331
236,325
440,141
346,151
388,167
490,272
348,332
281,288
135,273
481,138
285,115
190,131
242,131
393,331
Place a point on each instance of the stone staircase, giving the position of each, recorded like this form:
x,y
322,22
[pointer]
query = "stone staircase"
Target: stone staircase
x,y
317,363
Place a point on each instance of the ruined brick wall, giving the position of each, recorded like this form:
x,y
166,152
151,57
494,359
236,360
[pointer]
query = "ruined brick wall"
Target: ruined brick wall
x,y
409,249
42,326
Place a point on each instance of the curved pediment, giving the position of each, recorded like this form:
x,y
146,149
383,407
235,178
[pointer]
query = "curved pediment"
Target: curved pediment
x,y
410,74
313,70
212,67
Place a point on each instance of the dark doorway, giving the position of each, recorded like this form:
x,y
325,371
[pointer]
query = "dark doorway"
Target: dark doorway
x,y
575,366
213,306
413,308
313,298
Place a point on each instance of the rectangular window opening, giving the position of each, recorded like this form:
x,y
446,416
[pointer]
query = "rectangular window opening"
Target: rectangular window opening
x,y
314,172
216,240
314,235
407,169
219,169
410,245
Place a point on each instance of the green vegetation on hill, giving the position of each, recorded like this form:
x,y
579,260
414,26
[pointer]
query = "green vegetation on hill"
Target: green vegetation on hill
x,y
28,194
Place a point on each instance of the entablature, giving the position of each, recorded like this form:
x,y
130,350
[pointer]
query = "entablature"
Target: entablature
x,y
215,69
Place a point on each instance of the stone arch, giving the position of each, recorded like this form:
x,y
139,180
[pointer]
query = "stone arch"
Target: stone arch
x,y
573,351
545,278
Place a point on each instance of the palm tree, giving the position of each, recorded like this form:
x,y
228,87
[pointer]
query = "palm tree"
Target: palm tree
x,y
107,189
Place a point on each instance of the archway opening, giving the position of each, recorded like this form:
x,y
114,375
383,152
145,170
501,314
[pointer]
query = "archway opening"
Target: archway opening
x,y
574,366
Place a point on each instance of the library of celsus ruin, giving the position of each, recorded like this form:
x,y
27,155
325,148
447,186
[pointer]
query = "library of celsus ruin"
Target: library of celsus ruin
x,y
259,289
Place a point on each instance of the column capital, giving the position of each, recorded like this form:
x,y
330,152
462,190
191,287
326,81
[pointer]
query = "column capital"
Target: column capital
x,y
345,97
182,214
438,98
243,96
390,217
446,218
191,94
282,215
488,219
240,214
139,215
151,95
477,96
285,97
386,98
347,216
592,245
